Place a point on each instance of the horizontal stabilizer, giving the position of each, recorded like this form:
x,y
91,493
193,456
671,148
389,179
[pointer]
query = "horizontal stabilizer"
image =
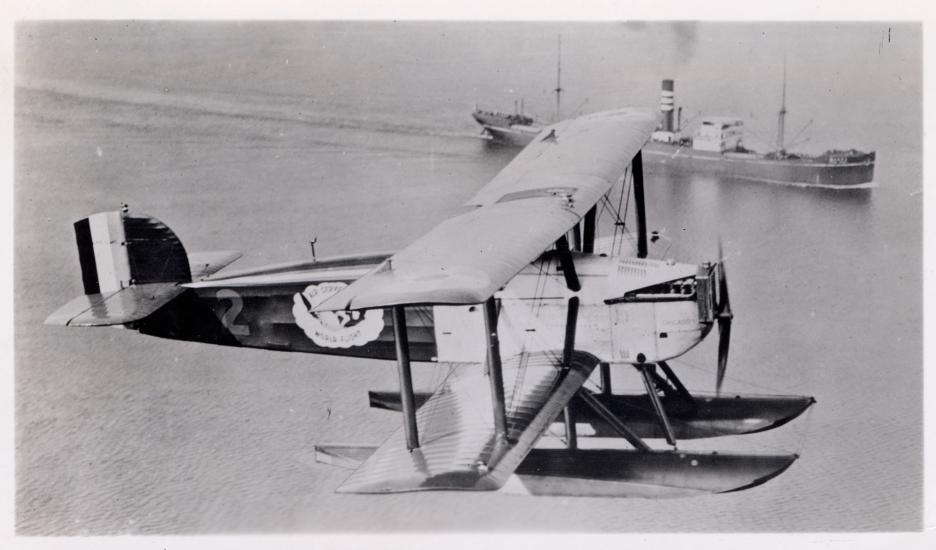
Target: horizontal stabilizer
x,y
205,264
115,307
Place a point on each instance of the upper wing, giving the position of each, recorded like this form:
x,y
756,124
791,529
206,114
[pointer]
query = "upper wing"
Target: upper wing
x,y
532,202
458,448
586,154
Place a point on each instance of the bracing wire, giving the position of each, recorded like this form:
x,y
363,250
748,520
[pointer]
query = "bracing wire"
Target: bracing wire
x,y
425,318
619,213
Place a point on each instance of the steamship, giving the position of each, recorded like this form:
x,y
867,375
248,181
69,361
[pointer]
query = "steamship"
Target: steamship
x,y
716,147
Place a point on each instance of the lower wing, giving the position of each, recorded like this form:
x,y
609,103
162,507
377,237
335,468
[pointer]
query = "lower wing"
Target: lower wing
x,y
458,446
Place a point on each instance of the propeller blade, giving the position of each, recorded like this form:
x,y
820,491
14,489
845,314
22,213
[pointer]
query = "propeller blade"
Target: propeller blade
x,y
725,315
724,306
724,302
724,339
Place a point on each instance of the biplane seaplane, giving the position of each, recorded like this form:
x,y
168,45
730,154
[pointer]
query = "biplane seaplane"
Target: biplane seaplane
x,y
514,297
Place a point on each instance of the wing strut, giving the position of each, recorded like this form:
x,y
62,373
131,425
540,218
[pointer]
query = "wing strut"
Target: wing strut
x,y
495,374
407,399
588,230
568,267
567,349
637,170
577,237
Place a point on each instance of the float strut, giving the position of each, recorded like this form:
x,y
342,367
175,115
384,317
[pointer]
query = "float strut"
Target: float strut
x,y
407,399
604,370
592,403
495,373
674,388
676,382
647,370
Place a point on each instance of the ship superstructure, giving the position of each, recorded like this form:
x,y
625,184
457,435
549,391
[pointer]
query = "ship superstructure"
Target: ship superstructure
x,y
717,147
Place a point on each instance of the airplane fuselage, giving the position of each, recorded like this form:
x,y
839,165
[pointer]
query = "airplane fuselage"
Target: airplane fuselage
x,y
630,310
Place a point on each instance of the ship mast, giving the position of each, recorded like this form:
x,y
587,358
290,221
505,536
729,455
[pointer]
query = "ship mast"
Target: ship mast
x,y
781,116
558,89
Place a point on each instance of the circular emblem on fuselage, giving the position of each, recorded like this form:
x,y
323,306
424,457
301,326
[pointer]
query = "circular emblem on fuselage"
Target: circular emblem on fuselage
x,y
334,329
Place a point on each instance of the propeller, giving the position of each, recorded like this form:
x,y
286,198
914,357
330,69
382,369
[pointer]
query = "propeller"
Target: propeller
x,y
724,317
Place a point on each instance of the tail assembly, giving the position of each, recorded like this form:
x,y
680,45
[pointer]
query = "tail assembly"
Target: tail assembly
x,y
131,265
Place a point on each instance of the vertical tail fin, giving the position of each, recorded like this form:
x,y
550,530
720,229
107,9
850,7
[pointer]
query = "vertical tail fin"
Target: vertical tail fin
x,y
130,267
117,249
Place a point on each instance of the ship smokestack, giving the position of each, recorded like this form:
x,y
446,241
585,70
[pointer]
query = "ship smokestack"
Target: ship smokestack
x,y
666,105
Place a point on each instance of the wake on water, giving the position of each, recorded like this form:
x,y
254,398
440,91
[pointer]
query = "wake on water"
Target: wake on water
x,y
206,105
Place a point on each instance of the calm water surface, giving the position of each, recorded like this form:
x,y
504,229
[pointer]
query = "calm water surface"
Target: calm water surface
x,y
258,137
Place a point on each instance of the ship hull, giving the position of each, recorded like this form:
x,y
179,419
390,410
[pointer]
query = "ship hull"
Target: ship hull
x,y
507,129
509,136
661,158
857,171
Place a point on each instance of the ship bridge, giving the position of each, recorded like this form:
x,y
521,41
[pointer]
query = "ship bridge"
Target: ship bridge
x,y
718,134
